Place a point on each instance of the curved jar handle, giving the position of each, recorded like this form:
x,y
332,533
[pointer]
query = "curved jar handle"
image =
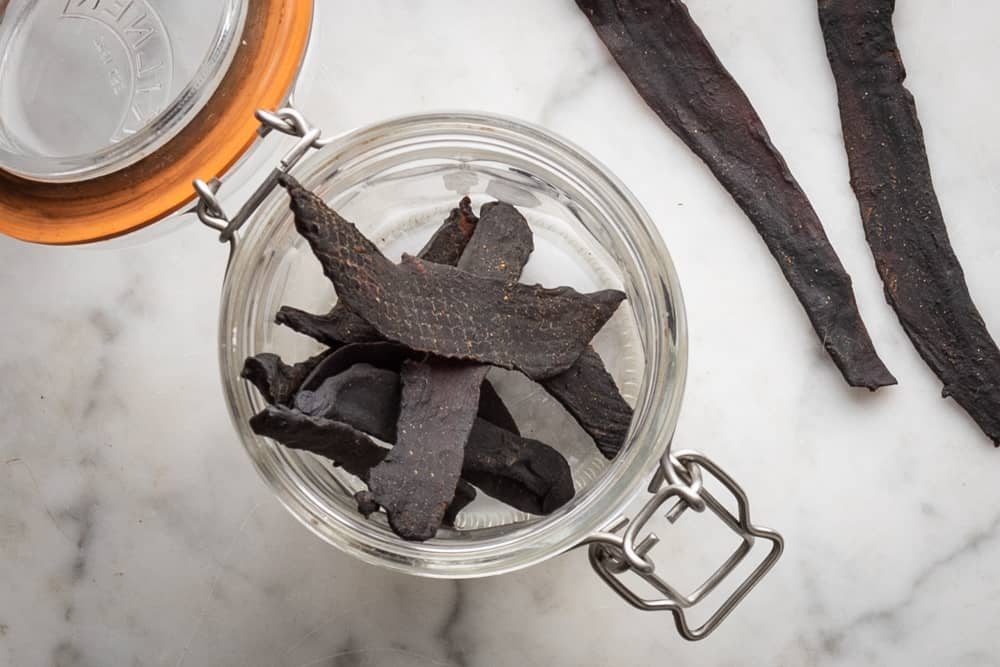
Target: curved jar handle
x,y
618,549
286,120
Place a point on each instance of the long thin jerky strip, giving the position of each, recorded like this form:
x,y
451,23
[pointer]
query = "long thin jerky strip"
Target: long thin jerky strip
x,y
521,472
344,445
417,478
341,325
276,380
446,311
499,248
589,393
675,70
891,178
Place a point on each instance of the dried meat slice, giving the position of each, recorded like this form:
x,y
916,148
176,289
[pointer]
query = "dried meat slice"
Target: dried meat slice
x,y
449,312
535,479
417,479
276,380
341,326
590,395
673,67
903,222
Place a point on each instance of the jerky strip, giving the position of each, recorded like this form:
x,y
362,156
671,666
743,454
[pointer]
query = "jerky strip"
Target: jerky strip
x,y
589,393
891,178
494,410
673,67
448,312
524,473
384,354
341,325
499,248
338,327
363,396
449,241
536,479
335,440
276,380
345,446
417,479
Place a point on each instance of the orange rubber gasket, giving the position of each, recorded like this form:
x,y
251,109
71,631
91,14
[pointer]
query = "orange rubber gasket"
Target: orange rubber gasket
x,y
265,66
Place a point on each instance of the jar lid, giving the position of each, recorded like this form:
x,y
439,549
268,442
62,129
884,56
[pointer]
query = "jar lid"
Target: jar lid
x,y
109,109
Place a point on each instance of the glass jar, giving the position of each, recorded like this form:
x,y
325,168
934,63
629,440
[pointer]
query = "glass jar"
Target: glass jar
x,y
396,181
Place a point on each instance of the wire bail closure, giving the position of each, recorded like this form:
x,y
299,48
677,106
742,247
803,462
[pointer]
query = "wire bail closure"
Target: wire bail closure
x,y
618,548
286,120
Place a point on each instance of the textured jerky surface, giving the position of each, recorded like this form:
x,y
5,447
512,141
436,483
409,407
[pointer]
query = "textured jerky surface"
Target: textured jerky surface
x,y
448,312
417,479
341,325
276,380
891,177
338,327
589,393
521,472
499,248
675,70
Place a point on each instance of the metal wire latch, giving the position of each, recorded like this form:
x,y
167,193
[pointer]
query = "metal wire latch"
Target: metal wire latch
x,y
286,121
618,549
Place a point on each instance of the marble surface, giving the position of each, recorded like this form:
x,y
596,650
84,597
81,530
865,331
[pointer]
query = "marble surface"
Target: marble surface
x,y
134,531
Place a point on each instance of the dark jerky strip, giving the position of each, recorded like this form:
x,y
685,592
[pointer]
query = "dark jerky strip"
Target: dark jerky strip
x,y
446,311
363,396
449,241
436,417
674,69
276,380
322,387
384,354
345,446
338,327
494,410
335,440
891,177
341,325
522,472
417,479
536,478
589,393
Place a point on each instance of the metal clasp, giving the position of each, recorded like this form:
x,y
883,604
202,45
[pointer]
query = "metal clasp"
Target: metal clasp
x,y
286,121
618,549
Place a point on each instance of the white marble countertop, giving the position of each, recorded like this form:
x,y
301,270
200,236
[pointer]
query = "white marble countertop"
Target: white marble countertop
x,y
134,530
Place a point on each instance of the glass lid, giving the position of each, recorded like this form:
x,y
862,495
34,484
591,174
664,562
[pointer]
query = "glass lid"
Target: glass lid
x,y
110,109
88,87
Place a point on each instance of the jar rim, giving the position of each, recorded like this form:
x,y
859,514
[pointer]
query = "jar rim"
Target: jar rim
x,y
657,404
